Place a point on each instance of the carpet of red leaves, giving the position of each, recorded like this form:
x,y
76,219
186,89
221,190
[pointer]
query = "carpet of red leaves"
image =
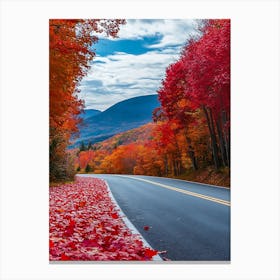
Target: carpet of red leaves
x,y
85,225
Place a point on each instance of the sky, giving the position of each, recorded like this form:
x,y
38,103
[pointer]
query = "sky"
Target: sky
x,y
134,63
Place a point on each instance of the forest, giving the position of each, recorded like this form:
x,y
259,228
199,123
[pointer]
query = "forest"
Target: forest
x,y
190,129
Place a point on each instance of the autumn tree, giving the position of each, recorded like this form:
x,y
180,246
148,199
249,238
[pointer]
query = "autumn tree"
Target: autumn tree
x,y
175,106
122,160
207,62
70,52
148,160
200,82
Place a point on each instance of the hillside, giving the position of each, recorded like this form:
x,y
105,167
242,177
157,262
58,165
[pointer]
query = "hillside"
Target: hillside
x,y
89,113
138,135
123,116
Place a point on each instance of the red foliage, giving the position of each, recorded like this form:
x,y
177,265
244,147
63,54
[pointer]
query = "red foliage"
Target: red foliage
x,y
201,76
85,157
150,253
115,215
84,225
207,64
200,82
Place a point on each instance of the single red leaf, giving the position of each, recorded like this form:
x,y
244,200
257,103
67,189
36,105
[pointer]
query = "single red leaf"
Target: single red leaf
x,y
90,243
150,253
51,244
114,215
72,245
64,257
146,228
82,203
72,223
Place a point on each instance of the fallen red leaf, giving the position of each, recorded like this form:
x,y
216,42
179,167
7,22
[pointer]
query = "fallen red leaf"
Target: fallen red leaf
x,y
51,244
71,223
82,203
64,257
150,253
146,228
90,243
85,226
114,215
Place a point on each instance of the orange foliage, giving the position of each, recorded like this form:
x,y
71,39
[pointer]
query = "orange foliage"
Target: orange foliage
x,y
85,157
122,160
69,56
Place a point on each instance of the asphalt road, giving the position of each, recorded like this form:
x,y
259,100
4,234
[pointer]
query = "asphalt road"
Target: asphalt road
x,y
188,220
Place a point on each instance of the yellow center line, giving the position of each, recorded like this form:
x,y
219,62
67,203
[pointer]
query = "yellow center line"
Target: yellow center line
x,y
206,197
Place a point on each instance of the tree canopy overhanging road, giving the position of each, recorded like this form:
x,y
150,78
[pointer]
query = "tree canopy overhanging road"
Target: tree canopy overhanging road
x,y
188,220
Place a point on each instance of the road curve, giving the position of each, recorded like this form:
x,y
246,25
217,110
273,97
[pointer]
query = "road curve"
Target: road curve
x,y
190,221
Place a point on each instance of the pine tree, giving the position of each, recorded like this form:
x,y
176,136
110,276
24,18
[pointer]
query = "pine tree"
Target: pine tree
x,y
89,146
82,146
88,168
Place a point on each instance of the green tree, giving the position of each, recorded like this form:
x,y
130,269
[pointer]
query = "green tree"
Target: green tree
x,y
82,146
89,146
88,168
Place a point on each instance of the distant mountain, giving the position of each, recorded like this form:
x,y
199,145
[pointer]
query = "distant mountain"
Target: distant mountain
x,y
122,116
89,113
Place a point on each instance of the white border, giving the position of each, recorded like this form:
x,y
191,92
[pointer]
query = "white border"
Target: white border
x,y
255,138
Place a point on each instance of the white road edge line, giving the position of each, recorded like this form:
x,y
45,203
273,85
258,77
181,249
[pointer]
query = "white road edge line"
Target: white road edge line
x,y
129,224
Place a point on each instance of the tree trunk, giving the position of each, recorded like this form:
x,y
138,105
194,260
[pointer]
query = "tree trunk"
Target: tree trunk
x,y
166,165
222,142
174,173
193,158
226,137
213,136
190,152
178,159
228,147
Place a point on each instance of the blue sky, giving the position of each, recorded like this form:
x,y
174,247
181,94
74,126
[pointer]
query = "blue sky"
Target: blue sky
x,y
133,64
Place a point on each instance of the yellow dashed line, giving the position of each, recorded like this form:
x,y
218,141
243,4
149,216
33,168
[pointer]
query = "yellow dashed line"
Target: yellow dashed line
x,y
206,197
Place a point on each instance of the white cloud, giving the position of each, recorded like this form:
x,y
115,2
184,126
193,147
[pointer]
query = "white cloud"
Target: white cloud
x,y
121,75
173,32
125,76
